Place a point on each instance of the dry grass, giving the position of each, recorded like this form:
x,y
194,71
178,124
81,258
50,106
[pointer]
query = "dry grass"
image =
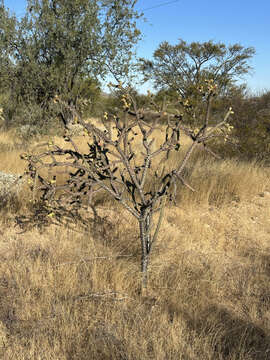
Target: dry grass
x,y
67,294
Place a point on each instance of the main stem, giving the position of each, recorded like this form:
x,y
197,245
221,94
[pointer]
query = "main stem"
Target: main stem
x,y
145,236
147,241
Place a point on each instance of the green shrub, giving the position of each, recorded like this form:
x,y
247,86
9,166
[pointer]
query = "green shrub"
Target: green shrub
x,y
251,126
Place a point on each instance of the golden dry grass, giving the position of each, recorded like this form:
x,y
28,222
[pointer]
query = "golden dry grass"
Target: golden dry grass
x,y
67,294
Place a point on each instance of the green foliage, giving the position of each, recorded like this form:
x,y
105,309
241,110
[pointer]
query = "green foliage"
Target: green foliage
x,y
251,125
113,102
166,95
185,68
8,25
87,93
61,47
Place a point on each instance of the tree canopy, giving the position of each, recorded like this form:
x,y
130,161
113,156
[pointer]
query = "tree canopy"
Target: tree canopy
x,y
59,43
183,67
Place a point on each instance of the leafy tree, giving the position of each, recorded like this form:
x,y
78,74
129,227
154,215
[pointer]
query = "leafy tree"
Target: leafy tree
x,y
59,43
7,33
183,68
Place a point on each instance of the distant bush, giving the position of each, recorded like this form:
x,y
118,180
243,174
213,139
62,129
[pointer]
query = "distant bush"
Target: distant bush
x,y
112,102
252,127
251,122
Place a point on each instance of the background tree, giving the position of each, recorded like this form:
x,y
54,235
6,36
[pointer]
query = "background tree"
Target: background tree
x,y
7,32
183,69
58,44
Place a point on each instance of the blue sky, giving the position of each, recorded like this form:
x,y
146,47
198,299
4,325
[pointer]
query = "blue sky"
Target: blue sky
x,y
232,21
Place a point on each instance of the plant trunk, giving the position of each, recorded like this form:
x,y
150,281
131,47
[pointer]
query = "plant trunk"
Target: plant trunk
x,y
147,241
145,263
145,236
67,115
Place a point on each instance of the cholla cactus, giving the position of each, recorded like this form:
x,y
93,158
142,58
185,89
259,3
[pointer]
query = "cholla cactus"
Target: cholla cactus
x,y
10,185
74,129
123,167
27,131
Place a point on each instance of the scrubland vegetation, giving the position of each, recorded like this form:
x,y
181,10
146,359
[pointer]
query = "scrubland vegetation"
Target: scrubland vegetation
x,y
71,273
72,293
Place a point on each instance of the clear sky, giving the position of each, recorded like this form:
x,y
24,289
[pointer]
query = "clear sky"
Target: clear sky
x,y
229,21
